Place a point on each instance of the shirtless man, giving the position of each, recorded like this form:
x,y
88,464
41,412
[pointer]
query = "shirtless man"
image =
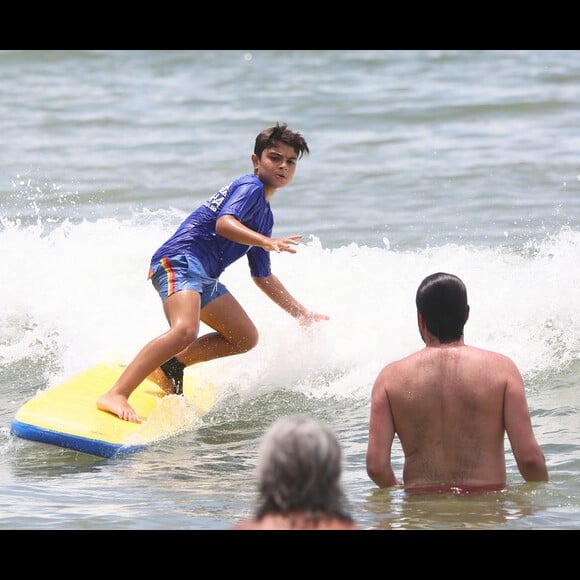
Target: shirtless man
x,y
450,405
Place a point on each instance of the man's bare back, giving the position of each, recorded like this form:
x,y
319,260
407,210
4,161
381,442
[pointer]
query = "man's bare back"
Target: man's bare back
x,y
450,406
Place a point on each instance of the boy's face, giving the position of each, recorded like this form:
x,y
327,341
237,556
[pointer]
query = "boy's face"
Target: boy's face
x,y
276,166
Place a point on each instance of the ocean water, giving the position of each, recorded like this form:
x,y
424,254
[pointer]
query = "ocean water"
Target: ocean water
x,y
421,161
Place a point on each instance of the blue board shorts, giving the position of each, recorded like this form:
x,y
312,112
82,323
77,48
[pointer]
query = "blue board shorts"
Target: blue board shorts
x,y
182,272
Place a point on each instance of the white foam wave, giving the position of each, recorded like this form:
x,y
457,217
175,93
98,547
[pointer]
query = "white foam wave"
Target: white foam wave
x,y
81,290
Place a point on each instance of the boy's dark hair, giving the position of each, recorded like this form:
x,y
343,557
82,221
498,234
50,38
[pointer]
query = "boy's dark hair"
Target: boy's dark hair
x,y
280,134
442,301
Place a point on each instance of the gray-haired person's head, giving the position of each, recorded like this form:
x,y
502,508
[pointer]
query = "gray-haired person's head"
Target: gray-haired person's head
x,y
299,469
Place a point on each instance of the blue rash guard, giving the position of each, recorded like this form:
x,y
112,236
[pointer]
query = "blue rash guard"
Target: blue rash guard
x,y
245,199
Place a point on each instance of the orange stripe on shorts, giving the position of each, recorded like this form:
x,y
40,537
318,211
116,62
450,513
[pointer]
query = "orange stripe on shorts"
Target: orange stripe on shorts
x,y
170,276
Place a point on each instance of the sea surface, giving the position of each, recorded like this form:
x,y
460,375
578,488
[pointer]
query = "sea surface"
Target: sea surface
x,y
421,161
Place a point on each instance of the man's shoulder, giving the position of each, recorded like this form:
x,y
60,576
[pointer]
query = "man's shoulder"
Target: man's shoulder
x,y
487,354
418,359
402,367
411,358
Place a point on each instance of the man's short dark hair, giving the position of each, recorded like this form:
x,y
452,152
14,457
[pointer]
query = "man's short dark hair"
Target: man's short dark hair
x,y
442,301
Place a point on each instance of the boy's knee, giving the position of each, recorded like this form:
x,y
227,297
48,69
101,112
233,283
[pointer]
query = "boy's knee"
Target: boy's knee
x,y
248,341
186,334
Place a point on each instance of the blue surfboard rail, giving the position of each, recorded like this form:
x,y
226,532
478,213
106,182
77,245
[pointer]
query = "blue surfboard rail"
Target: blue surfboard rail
x,y
80,444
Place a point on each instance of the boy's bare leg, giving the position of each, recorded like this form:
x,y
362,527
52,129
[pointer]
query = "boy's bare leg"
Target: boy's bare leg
x,y
161,379
180,309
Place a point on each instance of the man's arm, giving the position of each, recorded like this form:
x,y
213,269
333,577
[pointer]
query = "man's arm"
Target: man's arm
x,y
381,435
518,423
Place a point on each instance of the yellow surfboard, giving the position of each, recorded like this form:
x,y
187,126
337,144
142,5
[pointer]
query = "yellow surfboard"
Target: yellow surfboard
x,y
66,414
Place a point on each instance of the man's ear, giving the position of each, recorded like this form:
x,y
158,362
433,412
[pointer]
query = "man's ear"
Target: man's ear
x,y
420,323
466,312
422,327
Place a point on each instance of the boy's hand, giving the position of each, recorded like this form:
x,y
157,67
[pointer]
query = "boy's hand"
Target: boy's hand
x,y
283,244
309,317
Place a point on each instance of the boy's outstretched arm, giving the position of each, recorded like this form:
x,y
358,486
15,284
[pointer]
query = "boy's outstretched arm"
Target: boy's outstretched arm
x,y
276,291
231,228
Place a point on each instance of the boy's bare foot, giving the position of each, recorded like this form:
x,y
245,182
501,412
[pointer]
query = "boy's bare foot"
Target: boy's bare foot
x,y
118,405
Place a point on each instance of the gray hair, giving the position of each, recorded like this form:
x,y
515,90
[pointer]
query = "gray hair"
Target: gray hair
x,y
299,469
